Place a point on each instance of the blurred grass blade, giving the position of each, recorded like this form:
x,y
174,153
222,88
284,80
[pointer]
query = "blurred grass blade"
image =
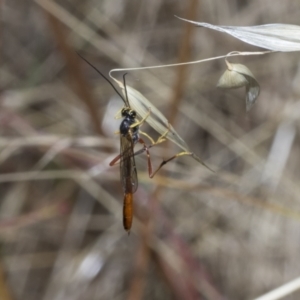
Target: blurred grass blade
x,y
282,291
276,37
238,75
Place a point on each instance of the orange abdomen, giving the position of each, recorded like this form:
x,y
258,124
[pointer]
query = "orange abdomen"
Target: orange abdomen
x,y
127,211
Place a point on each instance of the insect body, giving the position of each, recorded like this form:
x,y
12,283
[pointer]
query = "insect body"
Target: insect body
x,y
129,136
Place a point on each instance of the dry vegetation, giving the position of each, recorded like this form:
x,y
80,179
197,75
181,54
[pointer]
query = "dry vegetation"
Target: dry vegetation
x,y
233,234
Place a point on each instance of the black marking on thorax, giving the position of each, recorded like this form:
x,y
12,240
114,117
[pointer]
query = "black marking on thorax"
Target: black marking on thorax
x,y
125,129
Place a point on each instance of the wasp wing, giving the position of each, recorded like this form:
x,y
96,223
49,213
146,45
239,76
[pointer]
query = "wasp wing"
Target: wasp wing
x,y
128,171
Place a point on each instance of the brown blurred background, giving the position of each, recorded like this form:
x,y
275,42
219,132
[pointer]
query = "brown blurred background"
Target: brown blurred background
x,y
232,234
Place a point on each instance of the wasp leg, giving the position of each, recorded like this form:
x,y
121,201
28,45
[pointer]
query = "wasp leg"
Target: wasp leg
x,y
165,161
115,160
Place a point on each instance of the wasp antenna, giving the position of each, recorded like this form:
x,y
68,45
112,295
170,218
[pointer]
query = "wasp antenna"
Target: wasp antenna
x,y
124,81
99,72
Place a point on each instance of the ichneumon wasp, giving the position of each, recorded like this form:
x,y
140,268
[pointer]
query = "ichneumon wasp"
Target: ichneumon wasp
x,y
129,136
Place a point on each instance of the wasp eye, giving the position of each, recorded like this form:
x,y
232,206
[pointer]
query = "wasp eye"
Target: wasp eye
x,y
124,112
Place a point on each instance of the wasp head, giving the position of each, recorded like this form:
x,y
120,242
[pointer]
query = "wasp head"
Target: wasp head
x,y
128,112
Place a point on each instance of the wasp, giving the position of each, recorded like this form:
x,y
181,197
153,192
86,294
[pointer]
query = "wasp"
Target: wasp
x,y
129,135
